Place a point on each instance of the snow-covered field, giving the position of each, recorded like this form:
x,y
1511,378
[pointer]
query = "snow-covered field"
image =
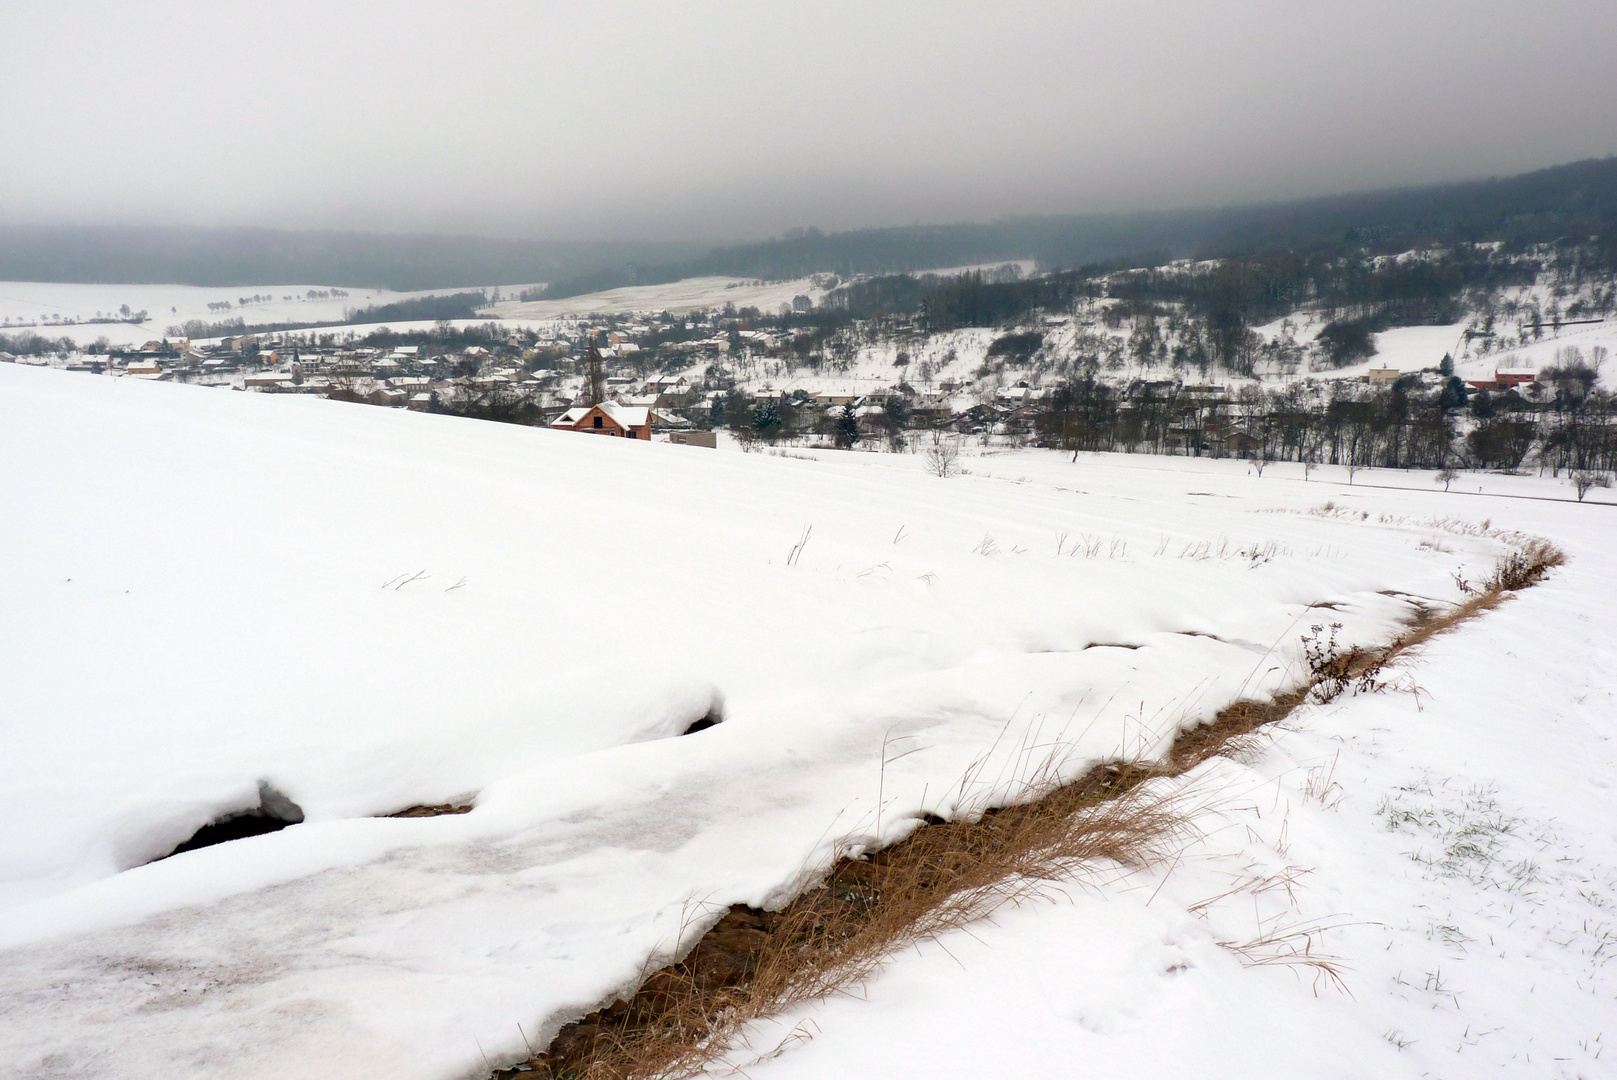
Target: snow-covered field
x,y
1415,348
687,294
368,609
35,303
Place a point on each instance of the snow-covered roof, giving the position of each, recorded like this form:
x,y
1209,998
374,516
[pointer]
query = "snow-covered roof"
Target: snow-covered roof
x,y
627,416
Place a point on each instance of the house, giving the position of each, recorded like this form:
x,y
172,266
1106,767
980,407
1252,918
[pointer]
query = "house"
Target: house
x,y
1504,379
143,367
1239,442
269,380
624,421
708,439
1382,376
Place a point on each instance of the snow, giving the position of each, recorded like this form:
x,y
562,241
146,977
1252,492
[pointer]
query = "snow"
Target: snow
x,y
687,294
370,609
31,302
1449,843
1409,348
1547,352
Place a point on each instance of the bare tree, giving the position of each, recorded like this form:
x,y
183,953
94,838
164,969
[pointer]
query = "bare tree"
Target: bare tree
x,y
943,456
595,390
1445,477
1584,480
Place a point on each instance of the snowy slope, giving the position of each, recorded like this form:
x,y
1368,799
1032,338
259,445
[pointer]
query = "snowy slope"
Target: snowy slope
x,y
1449,845
205,591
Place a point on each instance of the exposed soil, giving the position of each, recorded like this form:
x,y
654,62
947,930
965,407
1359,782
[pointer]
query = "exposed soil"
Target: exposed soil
x,y
432,810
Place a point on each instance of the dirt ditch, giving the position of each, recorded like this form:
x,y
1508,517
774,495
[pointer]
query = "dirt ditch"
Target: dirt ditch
x,y
754,963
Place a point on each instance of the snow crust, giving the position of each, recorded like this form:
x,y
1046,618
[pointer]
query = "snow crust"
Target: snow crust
x,y
369,609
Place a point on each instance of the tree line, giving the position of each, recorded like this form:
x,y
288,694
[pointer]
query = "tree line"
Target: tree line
x,y
1565,421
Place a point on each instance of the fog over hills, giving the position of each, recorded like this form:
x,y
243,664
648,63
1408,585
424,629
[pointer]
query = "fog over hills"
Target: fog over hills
x,y
1573,200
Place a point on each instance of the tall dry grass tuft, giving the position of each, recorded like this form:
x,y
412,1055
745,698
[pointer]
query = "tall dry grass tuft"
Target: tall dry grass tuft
x,y
754,964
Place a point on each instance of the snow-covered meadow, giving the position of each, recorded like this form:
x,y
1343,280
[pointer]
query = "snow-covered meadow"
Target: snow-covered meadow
x,y
56,309
369,609
687,294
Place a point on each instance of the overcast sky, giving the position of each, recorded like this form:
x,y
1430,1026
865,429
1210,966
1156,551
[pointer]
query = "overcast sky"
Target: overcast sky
x,y
737,120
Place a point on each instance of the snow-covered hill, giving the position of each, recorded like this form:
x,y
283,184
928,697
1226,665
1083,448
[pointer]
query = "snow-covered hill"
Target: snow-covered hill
x,y
368,609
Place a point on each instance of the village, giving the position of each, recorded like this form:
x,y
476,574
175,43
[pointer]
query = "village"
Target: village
x,y
685,378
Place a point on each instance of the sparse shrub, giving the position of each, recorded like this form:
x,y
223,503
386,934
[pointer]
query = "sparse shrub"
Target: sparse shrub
x,y
1586,479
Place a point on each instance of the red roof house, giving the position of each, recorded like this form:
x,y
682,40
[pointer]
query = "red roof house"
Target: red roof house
x,y
623,421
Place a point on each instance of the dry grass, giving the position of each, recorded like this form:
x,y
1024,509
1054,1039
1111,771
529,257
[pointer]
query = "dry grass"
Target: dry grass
x,y
432,810
754,963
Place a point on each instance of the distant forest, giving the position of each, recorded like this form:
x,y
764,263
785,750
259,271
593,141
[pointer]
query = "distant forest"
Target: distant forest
x,y
1569,202
247,257
1566,203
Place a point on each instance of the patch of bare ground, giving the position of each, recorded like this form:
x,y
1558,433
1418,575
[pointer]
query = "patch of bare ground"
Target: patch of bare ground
x,y
432,810
754,963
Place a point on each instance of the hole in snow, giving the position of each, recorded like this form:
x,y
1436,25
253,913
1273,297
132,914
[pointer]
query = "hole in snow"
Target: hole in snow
x,y
273,813
711,718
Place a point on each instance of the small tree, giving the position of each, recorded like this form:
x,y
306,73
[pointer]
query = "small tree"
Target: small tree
x,y
766,419
846,428
1445,477
943,456
1585,480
